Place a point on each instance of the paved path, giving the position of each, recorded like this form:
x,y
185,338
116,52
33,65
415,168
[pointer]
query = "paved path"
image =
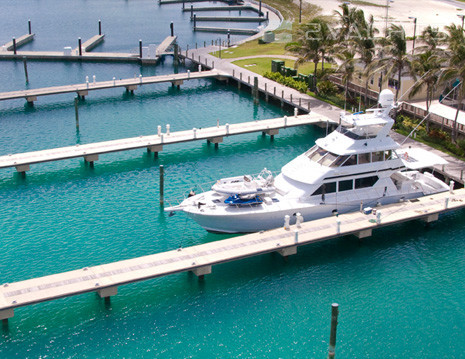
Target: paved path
x,y
202,55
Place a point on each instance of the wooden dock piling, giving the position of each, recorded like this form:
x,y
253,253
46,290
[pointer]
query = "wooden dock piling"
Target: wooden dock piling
x,y
29,26
332,335
76,111
25,69
14,45
162,185
172,27
140,48
79,46
100,27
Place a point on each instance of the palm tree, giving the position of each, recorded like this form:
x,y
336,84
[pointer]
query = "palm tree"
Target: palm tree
x,y
365,47
393,56
427,66
455,69
313,41
346,69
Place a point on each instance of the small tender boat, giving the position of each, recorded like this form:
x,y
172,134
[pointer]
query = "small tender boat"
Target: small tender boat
x,y
246,185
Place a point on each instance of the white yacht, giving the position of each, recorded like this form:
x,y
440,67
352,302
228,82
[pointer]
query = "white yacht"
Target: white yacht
x,y
358,164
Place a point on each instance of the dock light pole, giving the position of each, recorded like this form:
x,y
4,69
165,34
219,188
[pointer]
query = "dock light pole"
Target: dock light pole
x,y
332,335
415,31
462,17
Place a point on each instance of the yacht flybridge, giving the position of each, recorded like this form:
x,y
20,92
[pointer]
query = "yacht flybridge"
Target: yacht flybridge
x,y
358,164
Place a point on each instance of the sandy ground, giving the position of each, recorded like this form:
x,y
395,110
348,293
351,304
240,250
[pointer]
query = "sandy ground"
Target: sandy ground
x,y
437,13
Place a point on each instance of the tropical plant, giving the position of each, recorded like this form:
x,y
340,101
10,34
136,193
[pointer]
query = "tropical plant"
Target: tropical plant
x,y
427,67
313,41
346,68
394,59
455,69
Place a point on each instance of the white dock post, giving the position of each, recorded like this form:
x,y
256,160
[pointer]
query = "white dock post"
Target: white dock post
x,y
285,121
299,220
114,81
296,236
159,130
195,132
451,187
200,67
140,78
227,128
87,81
287,219
378,217
446,202
338,225
168,130
93,79
296,111
188,74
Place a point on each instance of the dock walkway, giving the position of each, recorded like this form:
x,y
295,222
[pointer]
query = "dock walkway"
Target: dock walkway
x,y
155,143
130,84
268,88
20,41
105,279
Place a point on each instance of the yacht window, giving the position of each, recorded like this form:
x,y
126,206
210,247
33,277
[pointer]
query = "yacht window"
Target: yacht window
x,y
316,156
352,160
326,188
394,155
377,156
365,182
328,159
364,158
346,185
339,161
387,155
312,150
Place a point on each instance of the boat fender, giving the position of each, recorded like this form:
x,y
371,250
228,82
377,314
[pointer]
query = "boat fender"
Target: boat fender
x,y
405,156
191,194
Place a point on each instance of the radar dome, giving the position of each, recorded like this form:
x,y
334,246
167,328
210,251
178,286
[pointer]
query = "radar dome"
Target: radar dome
x,y
386,98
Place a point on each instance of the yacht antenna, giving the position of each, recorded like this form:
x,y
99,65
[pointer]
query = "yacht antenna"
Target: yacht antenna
x,y
427,115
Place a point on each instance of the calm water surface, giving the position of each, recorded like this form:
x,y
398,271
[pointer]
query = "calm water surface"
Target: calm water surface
x,y
401,292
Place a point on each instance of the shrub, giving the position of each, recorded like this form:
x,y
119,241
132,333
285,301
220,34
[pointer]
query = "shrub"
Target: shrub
x,y
326,88
287,81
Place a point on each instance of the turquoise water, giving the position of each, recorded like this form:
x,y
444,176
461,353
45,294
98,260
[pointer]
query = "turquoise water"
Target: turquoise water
x,y
401,292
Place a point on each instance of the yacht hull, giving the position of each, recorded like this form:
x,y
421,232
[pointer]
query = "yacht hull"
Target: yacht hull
x,y
258,219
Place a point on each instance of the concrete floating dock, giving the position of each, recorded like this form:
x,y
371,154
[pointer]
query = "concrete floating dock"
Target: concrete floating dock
x,y
130,84
154,143
222,30
20,41
221,8
231,18
161,2
69,54
105,279
92,43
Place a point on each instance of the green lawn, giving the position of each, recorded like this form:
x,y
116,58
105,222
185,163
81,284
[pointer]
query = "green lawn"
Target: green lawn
x,y
252,48
260,65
